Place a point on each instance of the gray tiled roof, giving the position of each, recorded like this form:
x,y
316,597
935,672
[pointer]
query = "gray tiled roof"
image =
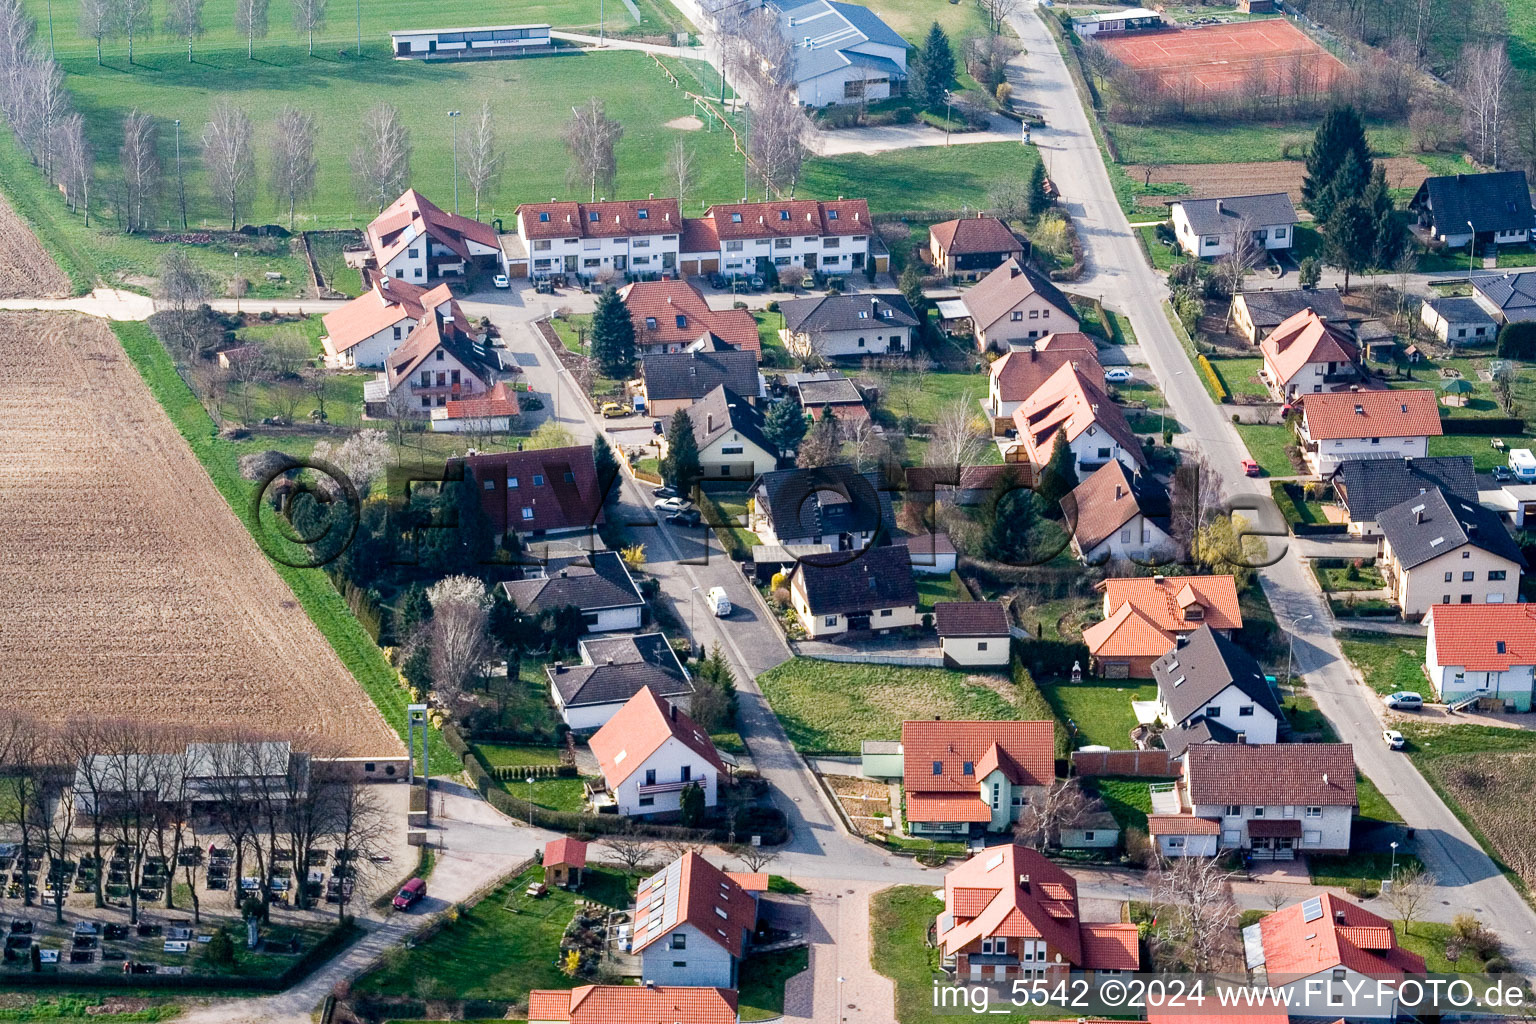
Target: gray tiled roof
x,y
1370,485
692,375
1513,294
724,410
803,503
1271,308
1428,525
1202,666
1178,739
852,581
1220,216
618,668
1458,309
1497,201
837,390
590,583
836,31
841,312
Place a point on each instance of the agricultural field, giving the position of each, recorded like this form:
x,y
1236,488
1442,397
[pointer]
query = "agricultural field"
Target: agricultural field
x,y
26,270
134,590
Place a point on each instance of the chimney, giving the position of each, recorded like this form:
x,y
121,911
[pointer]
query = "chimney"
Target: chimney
x,y
559,667
1158,580
709,423
1119,491
1418,513
1242,737
653,195
1325,778
1338,915
669,300
1221,206
674,712
1024,882
1180,640
610,660
807,42
1460,178
1095,408
1014,270
564,573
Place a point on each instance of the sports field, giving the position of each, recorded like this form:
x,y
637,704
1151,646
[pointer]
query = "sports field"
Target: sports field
x,y
1270,56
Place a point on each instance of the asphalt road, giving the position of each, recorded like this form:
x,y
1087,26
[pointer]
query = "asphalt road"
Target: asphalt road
x,y
1120,275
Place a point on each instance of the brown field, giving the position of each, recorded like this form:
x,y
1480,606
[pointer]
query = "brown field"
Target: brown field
x,y
26,270
130,587
1206,180
1218,60
1482,784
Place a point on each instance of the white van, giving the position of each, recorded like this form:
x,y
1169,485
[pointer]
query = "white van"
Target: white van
x,y
718,602
1523,463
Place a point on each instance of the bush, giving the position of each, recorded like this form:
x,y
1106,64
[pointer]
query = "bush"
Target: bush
x,y
1217,386
1004,93
1361,889
1138,847
773,306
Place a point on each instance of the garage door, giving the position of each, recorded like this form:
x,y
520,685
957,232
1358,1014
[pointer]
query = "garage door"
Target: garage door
x,y
709,266
976,970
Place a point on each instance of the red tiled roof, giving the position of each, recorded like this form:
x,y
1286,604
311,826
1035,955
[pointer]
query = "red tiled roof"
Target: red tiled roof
x,y
389,302
567,851
568,496
1020,372
1127,633
750,881
1181,825
965,902
947,807
694,891
970,618
1294,945
1470,635
1110,947
387,232
699,236
1266,1012
633,1004
1031,898
1393,413
611,219
972,235
1271,773
499,401
664,301
790,218
1069,401
1032,746
1163,599
1305,338
638,729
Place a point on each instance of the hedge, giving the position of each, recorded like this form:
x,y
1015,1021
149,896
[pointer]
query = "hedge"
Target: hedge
x,y
1484,425
1218,386
717,520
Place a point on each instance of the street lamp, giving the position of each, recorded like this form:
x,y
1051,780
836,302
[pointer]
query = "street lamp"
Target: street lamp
x,y
948,99
693,619
1291,651
1393,872
1162,428
529,780
453,119
181,187
558,385
1471,249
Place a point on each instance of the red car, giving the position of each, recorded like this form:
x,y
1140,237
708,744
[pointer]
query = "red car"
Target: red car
x,y
1250,468
410,893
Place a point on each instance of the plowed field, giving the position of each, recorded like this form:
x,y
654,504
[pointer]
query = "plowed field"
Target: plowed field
x,y
1208,180
130,588
26,270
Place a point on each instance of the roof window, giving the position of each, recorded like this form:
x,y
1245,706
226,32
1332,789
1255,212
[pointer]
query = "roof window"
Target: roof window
x,y
643,213
544,217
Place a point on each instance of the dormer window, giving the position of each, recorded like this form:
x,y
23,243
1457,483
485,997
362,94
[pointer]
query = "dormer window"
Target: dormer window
x,y
783,215
643,213
650,323
831,215
1195,613
544,217
592,217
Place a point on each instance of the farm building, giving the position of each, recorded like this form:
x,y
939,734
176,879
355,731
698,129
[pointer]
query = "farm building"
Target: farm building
x,y
466,43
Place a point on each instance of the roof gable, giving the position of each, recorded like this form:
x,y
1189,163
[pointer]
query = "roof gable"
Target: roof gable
x,y
1108,499
1366,486
1399,412
639,729
674,312
1203,665
692,375
1020,372
1226,214
1069,401
1305,338
994,296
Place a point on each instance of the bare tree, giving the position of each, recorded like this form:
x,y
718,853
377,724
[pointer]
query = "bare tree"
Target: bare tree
x,y
768,54
460,643
286,351
140,157
381,163
1050,809
76,164
185,18
1009,199
181,288
996,13
82,743
22,745
293,161
629,848
1485,75
134,16
97,21
776,140
230,157
36,106
483,160
132,781
590,137
679,172
754,858
1195,912
1277,897
958,438
251,20
309,15
1410,892
360,828
1247,254
56,812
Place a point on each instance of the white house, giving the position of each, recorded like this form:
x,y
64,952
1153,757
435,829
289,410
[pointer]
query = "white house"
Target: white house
x,y
598,585
1137,19
639,236
965,776
788,235
1072,407
649,752
1495,207
1210,690
1307,355
871,589
1274,800
693,925
1482,650
612,672
438,363
1345,425
467,43
412,240
1457,320
1014,305
1438,548
729,433
842,53
364,331
1118,514
973,634
849,326
1327,958
1207,228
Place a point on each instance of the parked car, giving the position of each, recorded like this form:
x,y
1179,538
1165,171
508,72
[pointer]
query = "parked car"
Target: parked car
x,y
1404,700
719,603
663,492
1393,739
502,281
687,517
410,893
671,505
656,427
1119,375
612,409
1503,474
719,281
1250,468
756,282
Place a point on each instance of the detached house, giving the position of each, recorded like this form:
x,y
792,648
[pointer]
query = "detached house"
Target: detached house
x,y
729,433
671,316
1015,304
612,671
1256,314
1493,207
539,493
1143,615
796,234
1018,373
1367,486
675,380
972,246
1070,408
1345,425
1508,298
414,241
1482,650
597,585
1442,549
832,505
439,362
1308,355
848,326
973,633
960,776
648,753
693,926
1327,959
636,236
643,1004
1009,913
1207,228
367,329
1275,801
1118,514
1210,690
839,591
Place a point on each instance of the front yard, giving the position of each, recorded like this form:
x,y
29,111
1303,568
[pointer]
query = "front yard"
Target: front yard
x,y
1349,578
762,982
898,921
1387,662
1267,443
1241,375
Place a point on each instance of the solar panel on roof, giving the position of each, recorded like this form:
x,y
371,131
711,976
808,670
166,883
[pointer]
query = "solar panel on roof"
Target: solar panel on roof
x,y
1312,909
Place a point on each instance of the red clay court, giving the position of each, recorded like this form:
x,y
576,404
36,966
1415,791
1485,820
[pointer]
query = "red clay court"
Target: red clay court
x,y
1225,58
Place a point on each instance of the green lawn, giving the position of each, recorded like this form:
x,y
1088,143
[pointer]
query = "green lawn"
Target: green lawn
x,y
912,17
1372,804
830,707
762,982
1357,867
926,178
1228,142
499,754
1367,577
327,248
1484,457
925,396
1482,401
507,944
573,330
898,922
1385,661
1241,375
1164,257
1267,443
310,327
252,403
1428,939
1100,708
933,588
1128,799
774,351
552,794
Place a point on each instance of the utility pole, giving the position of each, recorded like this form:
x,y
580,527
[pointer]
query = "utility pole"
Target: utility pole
x,y
181,185
453,118
599,22
359,28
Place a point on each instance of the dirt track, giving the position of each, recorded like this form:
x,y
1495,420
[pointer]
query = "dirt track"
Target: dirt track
x,y
130,587
1207,180
26,270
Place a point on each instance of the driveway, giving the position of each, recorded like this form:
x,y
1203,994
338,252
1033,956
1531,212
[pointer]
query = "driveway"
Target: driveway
x,y
1119,273
840,984
830,142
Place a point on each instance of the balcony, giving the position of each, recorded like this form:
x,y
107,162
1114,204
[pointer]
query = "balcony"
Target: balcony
x,y
651,789
1165,798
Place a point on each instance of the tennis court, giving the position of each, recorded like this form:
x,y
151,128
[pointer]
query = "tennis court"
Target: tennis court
x,y
1272,55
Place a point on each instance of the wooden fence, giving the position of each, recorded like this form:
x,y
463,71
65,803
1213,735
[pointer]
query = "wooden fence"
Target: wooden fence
x,y
1144,763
